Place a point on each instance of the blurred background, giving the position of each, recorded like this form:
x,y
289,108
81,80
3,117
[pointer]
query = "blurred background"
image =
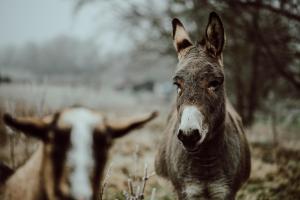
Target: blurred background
x,y
117,56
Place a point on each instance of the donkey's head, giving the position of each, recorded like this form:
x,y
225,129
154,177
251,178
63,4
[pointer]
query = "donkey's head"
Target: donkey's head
x,y
199,79
76,142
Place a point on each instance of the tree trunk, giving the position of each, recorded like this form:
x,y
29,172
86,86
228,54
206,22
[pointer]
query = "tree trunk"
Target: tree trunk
x,y
253,92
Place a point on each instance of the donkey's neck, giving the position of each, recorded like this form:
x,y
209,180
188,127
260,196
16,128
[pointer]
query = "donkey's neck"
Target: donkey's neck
x,y
205,164
212,147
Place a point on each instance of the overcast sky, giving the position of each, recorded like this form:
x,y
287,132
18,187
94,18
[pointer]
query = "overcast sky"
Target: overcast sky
x,y
39,20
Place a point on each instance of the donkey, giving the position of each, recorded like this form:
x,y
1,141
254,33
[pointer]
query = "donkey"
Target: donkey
x,y
71,158
204,152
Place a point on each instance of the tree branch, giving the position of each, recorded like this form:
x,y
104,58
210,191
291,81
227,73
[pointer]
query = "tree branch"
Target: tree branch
x,y
276,63
260,5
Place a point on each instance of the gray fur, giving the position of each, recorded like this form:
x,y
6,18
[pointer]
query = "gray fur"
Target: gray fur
x,y
221,165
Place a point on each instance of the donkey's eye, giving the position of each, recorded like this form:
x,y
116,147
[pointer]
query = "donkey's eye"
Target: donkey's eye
x,y
214,85
179,90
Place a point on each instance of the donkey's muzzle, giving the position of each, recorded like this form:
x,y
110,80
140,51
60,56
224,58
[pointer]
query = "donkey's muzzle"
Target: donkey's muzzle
x,y
189,138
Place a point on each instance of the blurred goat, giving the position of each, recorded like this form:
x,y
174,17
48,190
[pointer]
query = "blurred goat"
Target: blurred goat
x,y
71,158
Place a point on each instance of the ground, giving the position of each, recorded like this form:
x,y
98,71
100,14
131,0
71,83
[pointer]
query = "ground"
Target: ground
x,y
275,169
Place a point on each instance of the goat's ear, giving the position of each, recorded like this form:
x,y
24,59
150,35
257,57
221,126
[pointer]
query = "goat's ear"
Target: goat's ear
x,y
181,39
214,35
30,126
120,129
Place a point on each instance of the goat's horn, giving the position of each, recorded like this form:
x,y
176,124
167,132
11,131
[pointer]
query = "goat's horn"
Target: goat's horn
x,y
121,128
28,125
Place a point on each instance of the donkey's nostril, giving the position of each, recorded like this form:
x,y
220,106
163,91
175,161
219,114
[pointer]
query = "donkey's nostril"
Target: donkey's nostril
x,y
180,135
189,138
195,135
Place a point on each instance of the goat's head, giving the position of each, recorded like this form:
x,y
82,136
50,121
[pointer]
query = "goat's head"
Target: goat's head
x,y
199,79
76,142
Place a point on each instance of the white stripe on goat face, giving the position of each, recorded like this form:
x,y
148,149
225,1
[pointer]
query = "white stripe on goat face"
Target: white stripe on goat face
x,y
80,155
191,119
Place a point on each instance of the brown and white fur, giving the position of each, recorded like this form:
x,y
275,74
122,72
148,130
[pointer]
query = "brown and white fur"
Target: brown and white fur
x,y
70,160
204,152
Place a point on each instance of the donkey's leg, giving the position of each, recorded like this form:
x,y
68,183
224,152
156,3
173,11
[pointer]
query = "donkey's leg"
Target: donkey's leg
x,y
219,190
194,191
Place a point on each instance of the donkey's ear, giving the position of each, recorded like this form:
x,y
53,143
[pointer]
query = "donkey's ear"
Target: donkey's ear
x,y
120,129
30,126
214,35
181,39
